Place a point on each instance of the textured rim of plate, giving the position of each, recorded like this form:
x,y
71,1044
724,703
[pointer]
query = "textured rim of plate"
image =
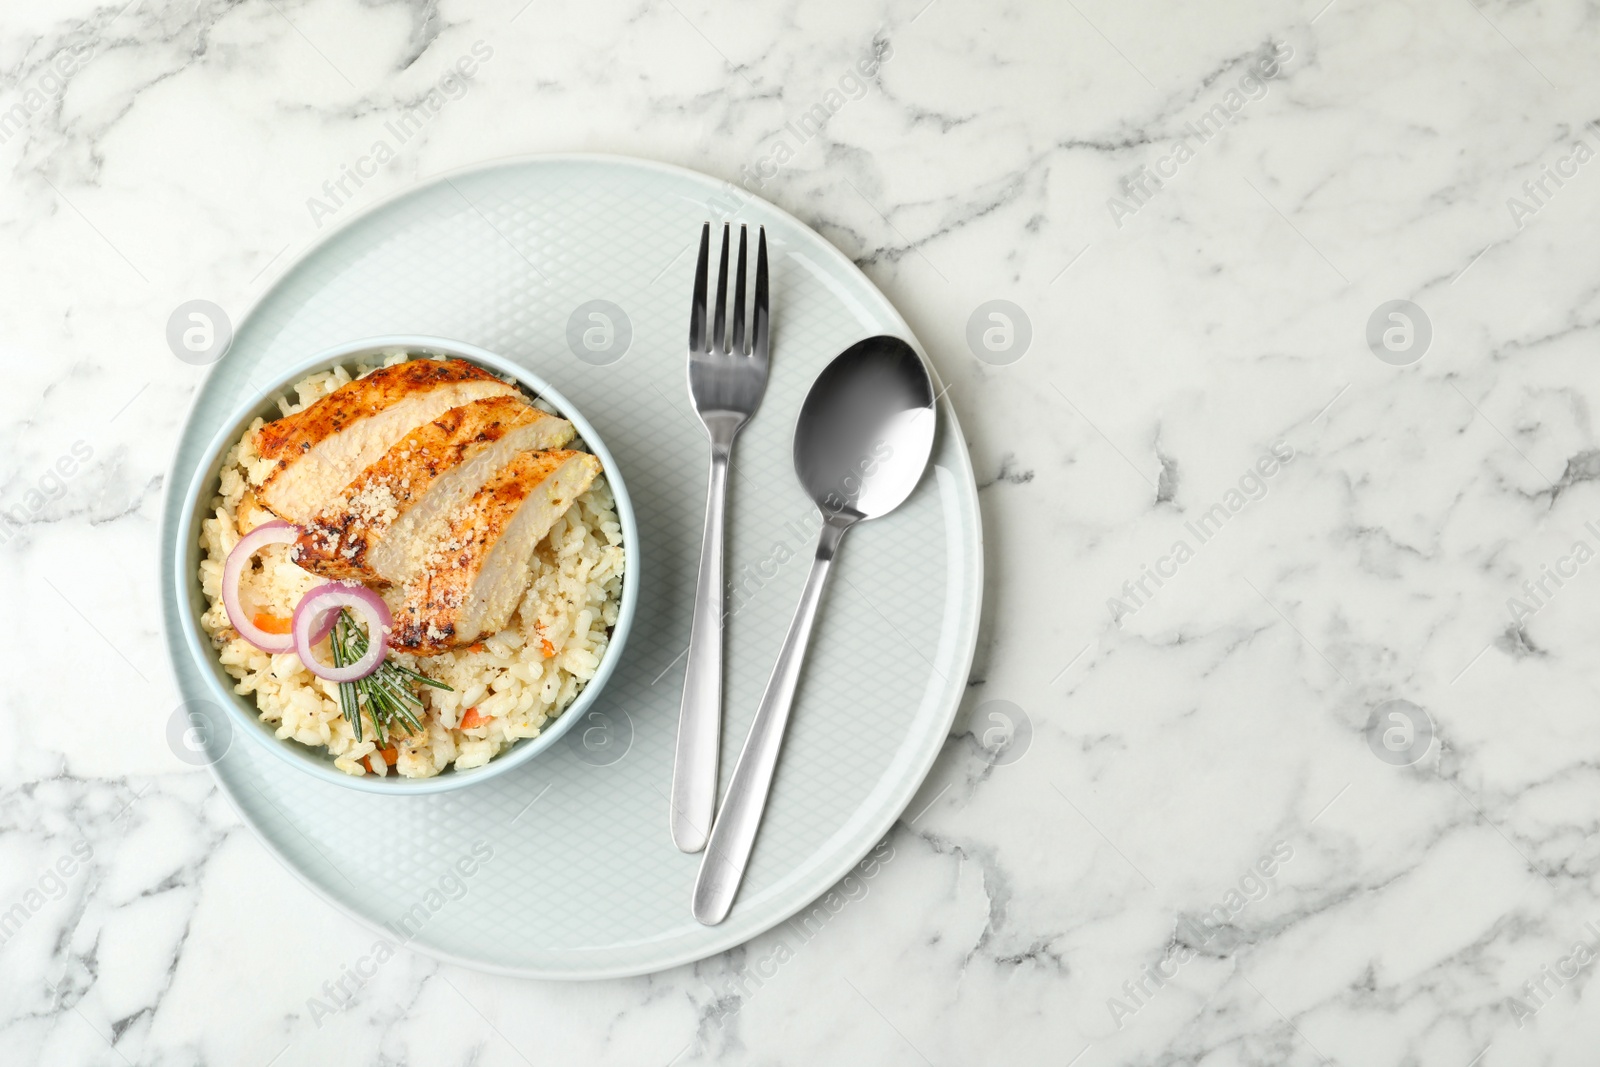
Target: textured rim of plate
x,y
305,758
910,783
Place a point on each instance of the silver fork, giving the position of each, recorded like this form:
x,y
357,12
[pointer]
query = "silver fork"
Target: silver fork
x,y
727,377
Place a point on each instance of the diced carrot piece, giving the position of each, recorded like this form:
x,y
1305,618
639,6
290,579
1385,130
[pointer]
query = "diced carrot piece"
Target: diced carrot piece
x,y
549,649
472,720
272,624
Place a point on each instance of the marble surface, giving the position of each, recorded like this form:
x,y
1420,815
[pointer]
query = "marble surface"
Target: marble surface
x,y
1317,786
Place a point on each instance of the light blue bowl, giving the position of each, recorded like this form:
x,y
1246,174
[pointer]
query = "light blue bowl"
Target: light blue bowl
x,y
241,710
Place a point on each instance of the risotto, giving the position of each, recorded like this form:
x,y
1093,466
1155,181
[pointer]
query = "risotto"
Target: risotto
x,y
502,687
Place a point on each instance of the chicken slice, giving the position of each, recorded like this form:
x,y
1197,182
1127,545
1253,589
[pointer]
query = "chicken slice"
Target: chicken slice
x,y
320,450
474,574
370,533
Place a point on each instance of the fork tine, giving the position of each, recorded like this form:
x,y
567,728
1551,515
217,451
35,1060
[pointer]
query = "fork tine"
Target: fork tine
x,y
760,320
697,310
721,320
738,300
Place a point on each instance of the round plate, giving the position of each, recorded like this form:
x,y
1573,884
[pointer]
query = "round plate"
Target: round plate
x,y
580,269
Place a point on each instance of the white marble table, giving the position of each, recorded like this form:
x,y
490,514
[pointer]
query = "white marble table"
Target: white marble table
x,y
1207,840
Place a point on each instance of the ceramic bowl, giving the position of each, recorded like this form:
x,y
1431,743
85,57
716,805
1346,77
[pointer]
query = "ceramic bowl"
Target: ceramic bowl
x,y
240,711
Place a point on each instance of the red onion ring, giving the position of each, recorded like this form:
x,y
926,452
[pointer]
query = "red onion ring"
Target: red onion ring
x,y
276,532
323,603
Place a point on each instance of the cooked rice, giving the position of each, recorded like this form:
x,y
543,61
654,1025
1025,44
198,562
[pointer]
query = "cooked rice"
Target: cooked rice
x,y
519,679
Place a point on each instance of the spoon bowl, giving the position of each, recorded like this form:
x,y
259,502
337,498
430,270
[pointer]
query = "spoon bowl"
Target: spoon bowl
x,y
865,432
861,445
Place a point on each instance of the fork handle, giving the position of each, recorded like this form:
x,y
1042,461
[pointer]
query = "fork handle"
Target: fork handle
x,y
734,835
694,775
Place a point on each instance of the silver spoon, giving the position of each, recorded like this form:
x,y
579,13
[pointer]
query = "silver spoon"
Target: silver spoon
x,y
860,446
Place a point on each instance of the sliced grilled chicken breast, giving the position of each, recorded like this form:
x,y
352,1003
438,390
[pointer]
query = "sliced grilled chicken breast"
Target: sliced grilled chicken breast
x,y
472,576
372,530
322,449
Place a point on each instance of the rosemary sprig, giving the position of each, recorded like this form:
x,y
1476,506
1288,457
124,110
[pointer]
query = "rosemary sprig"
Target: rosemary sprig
x,y
385,695
423,678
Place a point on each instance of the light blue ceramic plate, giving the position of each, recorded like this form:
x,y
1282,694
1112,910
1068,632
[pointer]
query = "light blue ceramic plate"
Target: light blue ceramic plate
x,y
579,269
241,710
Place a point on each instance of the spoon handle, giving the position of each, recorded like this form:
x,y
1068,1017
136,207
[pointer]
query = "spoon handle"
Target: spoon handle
x,y
734,832
694,774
